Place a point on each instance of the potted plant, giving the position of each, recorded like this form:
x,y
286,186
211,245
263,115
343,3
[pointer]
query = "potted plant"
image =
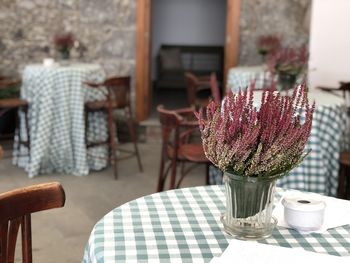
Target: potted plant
x,y
267,44
254,147
287,63
63,44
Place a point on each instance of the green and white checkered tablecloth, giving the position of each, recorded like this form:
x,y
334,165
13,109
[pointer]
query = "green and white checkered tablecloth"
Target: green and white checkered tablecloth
x,y
241,77
56,119
184,226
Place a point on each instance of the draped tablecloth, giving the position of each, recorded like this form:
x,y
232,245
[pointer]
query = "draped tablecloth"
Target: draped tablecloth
x,y
56,96
319,171
184,226
241,77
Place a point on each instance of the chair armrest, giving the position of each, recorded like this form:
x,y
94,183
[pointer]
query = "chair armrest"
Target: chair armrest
x,y
93,84
6,83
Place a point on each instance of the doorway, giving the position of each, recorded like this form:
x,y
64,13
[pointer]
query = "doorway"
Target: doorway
x,y
143,77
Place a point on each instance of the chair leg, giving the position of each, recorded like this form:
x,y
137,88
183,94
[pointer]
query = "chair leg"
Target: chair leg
x,y
207,174
173,173
112,144
341,182
26,109
161,178
133,138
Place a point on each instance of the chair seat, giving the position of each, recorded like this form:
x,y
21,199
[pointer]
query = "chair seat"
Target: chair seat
x,y
100,105
12,103
344,158
190,152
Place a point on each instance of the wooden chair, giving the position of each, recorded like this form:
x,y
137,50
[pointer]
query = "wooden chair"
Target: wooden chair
x,y
201,89
214,87
16,208
117,91
8,104
344,176
177,147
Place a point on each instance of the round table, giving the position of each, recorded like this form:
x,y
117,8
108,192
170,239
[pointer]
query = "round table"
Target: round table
x,y
184,226
56,95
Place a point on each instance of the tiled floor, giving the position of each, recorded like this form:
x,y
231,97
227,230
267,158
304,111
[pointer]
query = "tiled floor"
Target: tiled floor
x,y
60,235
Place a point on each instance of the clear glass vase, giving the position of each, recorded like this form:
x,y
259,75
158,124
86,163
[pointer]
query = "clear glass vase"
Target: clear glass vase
x,y
286,81
249,204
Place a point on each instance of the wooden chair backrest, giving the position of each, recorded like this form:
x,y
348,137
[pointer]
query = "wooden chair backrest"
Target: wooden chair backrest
x,y
170,121
192,84
215,92
118,91
16,208
175,124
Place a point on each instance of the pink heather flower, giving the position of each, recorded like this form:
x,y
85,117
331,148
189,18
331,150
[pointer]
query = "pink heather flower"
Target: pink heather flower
x,y
287,60
63,41
267,44
247,141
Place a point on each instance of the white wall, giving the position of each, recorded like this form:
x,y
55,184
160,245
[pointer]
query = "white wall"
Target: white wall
x,y
329,43
187,22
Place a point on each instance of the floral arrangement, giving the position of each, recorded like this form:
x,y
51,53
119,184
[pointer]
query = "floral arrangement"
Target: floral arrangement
x,y
289,61
268,143
268,44
63,42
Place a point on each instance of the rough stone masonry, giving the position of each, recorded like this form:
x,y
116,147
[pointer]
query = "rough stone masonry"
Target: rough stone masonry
x,y
107,29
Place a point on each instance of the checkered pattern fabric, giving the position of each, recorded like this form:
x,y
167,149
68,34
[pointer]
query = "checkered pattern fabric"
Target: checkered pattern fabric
x,y
56,119
241,77
184,226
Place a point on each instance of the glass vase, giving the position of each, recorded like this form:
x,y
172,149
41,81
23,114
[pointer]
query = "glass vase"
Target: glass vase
x,y
64,54
286,81
249,204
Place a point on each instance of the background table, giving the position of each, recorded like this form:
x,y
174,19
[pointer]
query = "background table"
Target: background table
x,y
56,96
184,226
241,77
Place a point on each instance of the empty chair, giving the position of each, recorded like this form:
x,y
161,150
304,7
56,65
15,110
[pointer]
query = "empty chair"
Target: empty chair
x,y
7,104
117,91
214,87
177,147
16,208
201,89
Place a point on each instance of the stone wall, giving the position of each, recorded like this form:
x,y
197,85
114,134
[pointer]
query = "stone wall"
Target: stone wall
x,y
289,19
107,29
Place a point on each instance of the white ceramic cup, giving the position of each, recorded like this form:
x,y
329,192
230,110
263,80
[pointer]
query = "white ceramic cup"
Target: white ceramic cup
x,y
48,62
304,214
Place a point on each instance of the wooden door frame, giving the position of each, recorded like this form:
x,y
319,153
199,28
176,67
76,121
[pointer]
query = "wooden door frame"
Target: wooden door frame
x,y
143,51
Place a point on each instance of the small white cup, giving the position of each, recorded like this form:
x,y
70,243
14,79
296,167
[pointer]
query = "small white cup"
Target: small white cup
x,y
304,214
48,62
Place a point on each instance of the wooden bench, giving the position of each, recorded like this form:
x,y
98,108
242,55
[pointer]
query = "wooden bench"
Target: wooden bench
x,y
199,60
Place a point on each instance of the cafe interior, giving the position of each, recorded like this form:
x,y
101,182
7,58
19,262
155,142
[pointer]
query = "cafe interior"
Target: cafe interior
x,y
174,131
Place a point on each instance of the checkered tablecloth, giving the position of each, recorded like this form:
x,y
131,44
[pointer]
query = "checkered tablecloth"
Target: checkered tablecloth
x,y
241,77
56,96
184,226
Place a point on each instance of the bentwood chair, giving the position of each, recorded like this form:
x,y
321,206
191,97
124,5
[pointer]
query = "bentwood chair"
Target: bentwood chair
x,y
200,89
117,91
16,208
8,104
177,146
